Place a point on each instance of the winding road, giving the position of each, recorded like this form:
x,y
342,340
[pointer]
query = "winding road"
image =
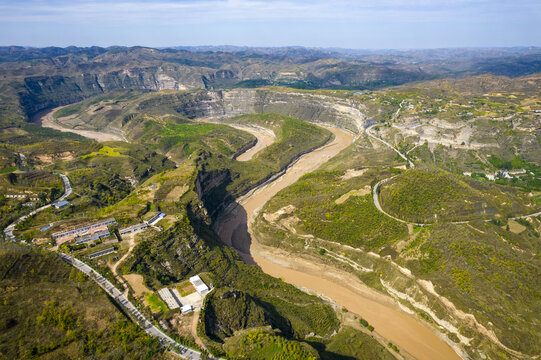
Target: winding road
x,y
109,288
375,194
414,339
380,310
67,191
140,319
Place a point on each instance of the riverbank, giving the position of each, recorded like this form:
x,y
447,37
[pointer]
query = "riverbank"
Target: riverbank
x,y
348,291
46,119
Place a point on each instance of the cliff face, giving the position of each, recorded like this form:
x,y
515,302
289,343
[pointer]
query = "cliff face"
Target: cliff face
x,y
42,92
319,109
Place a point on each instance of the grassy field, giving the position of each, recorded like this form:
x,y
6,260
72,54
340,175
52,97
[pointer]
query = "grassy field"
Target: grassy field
x,y
265,345
355,222
155,303
435,195
488,270
350,343
105,151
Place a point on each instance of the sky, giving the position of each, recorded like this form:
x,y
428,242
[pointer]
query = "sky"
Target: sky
x,y
361,24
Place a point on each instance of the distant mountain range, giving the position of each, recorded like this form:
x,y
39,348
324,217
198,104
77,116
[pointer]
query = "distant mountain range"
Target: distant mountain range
x,y
34,79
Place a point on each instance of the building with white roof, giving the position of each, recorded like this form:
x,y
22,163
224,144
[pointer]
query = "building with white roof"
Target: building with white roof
x,y
186,309
170,300
155,219
199,285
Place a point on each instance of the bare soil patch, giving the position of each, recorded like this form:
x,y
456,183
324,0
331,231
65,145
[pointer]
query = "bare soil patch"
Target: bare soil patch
x,y
176,193
515,227
361,192
136,283
351,173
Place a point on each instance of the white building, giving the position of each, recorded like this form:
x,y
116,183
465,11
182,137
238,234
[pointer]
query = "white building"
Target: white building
x,y
186,309
155,219
199,285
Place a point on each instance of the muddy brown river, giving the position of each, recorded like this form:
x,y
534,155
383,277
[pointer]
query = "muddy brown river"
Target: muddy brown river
x,y
345,289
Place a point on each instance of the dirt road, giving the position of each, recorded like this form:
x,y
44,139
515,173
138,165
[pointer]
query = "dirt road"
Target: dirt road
x,y
380,310
46,119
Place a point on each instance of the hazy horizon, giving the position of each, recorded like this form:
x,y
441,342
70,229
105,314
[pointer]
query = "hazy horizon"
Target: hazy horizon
x,y
347,24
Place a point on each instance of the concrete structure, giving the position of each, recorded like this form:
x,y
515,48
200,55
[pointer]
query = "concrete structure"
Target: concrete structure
x,y
91,237
101,253
186,309
155,219
133,228
85,228
121,300
61,204
169,299
199,285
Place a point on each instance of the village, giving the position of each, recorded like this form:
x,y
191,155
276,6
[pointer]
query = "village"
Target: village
x,y
188,296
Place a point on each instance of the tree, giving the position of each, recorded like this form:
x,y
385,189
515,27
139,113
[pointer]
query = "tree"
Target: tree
x,y
54,193
12,178
42,197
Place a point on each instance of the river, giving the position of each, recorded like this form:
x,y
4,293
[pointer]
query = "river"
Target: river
x,y
345,289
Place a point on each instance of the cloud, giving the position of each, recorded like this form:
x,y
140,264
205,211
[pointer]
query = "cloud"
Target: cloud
x,y
211,11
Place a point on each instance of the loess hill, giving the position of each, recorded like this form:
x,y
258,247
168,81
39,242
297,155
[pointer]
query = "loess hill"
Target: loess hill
x,y
483,271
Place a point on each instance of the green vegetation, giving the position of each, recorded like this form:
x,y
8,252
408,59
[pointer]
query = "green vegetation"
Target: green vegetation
x,y
106,151
68,110
265,345
244,295
479,268
393,346
355,222
436,195
366,324
48,310
293,138
351,343
155,303
43,185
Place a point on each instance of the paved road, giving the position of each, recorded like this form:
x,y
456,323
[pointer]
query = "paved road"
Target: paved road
x,y
146,325
67,191
368,129
376,196
107,286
